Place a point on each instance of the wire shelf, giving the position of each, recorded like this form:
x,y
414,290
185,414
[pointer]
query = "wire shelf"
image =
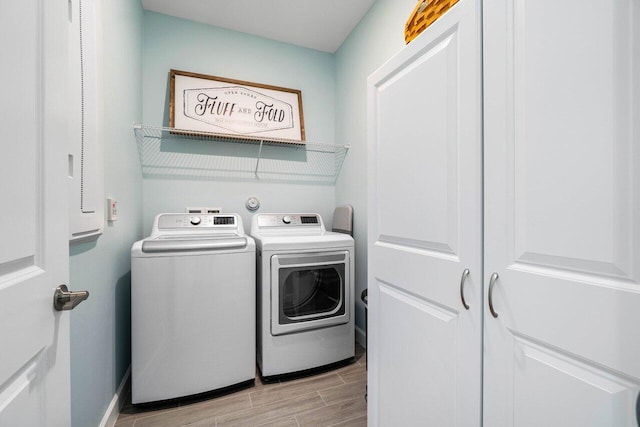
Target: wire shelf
x,y
169,152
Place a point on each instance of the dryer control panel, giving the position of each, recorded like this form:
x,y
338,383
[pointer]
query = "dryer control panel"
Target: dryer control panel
x,y
283,220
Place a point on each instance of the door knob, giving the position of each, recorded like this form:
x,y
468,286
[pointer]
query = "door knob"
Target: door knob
x,y
64,299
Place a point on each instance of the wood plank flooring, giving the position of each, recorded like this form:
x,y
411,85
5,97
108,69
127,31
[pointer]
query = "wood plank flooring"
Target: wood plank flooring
x,y
334,398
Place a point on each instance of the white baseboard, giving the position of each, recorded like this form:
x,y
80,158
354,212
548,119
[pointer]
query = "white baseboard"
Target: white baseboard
x,y
111,416
361,337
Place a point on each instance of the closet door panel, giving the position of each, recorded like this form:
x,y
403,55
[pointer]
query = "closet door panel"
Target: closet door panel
x,y
420,176
562,198
416,372
425,228
571,126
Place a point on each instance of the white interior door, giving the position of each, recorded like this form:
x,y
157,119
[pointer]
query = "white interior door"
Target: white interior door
x,y
562,209
425,222
34,368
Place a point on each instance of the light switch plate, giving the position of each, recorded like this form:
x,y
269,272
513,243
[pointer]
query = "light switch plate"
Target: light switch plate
x,y
112,209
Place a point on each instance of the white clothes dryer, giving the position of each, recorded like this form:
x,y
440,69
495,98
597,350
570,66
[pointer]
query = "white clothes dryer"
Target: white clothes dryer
x,y
305,302
192,307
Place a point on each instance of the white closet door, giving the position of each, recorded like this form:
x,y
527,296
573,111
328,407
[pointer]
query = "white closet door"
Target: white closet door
x,y
425,228
562,210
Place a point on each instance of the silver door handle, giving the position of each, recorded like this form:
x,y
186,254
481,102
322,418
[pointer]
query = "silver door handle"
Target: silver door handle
x,y
465,273
63,299
638,409
492,282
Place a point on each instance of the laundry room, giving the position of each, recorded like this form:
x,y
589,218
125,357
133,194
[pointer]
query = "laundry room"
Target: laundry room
x,y
448,237
140,48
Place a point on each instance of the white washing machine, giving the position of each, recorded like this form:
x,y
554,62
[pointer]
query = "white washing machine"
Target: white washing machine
x,y
192,307
305,306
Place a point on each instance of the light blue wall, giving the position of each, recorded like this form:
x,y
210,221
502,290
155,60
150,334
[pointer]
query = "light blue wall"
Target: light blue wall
x,y
173,43
100,327
378,36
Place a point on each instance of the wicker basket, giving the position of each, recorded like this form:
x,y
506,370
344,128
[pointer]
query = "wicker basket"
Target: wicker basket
x,y
424,14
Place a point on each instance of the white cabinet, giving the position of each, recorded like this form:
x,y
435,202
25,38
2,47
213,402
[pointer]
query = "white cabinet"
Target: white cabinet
x,y
85,168
512,151
562,212
425,228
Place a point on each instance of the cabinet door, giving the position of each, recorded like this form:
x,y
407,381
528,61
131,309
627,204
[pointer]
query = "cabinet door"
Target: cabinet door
x,y
425,228
562,212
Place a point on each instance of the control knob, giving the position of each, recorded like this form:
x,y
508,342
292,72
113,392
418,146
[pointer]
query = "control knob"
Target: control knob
x,y
286,219
195,220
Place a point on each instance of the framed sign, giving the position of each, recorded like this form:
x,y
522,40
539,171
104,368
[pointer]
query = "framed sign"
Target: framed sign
x,y
201,103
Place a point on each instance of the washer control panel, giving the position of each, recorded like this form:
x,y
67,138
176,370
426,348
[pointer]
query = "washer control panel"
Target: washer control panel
x,y
284,220
173,221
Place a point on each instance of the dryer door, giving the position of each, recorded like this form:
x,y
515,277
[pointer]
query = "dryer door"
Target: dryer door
x,y
309,291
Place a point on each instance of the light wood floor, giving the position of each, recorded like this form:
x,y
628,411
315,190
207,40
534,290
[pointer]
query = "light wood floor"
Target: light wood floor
x,y
334,398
